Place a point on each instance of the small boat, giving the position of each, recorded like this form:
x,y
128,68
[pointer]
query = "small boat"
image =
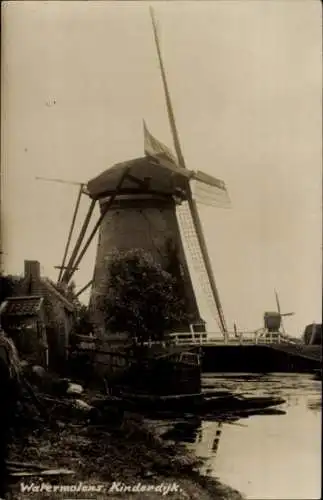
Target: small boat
x,y
168,379
233,415
317,374
197,403
160,370
239,402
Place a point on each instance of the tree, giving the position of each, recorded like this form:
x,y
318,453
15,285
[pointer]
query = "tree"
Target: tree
x,y
8,286
82,324
141,297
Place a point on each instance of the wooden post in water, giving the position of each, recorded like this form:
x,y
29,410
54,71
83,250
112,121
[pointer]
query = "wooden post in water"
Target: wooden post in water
x,y
217,438
313,332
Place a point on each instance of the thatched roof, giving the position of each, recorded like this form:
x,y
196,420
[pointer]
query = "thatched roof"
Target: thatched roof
x,y
160,176
57,294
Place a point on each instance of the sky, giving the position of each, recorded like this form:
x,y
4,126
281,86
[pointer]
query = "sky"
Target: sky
x,y
245,80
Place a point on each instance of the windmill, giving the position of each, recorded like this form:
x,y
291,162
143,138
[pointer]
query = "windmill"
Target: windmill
x,y
273,320
151,203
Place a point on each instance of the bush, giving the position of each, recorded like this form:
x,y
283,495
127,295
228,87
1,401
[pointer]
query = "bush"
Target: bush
x,y
142,298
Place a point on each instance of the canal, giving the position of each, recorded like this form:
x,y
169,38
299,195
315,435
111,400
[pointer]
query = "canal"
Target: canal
x,y
275,456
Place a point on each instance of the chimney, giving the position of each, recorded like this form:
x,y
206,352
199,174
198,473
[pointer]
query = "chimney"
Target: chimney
x,y
32,276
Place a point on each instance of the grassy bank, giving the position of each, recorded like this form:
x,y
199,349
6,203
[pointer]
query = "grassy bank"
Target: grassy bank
x,y
130,453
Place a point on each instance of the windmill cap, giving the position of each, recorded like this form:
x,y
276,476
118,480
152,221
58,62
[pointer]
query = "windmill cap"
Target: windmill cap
x,y
163,176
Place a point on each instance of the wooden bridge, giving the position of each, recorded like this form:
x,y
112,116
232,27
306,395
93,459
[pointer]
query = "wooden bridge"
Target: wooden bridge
x,y
233,338
236,352
252,351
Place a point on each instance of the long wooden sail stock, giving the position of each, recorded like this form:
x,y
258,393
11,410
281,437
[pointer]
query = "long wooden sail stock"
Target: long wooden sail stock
x,y
191,202
98,224
69,238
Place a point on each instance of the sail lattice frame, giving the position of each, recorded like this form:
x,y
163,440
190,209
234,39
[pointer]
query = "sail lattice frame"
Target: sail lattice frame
x,y
194,256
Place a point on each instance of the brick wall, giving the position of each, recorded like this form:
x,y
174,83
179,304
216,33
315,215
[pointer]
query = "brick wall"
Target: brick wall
x,y
147,223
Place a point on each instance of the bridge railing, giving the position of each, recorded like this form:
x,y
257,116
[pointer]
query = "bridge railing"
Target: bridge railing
x,y
230,338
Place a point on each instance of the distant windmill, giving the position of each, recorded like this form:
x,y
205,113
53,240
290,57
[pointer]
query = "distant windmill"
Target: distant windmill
x,y
273,320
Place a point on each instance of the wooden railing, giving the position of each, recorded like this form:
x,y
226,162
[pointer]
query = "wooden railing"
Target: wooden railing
x,y
241,338
203,338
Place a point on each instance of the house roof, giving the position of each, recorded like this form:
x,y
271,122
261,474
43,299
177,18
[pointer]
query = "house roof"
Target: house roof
x,y
45,287
51,288
22,306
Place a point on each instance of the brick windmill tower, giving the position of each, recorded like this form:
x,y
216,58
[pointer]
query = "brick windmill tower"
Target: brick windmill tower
x,y
150,203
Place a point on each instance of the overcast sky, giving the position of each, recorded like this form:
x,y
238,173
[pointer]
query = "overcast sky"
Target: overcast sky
x,y
245,79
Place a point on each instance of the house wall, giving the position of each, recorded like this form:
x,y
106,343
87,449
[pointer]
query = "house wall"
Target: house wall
x,y
57,330
57,318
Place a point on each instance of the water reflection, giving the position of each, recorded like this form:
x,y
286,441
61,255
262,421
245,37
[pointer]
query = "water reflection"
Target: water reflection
x,y
314,405
185,432
273,455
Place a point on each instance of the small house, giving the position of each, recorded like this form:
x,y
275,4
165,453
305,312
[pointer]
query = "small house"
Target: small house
x,y
40,306
23,319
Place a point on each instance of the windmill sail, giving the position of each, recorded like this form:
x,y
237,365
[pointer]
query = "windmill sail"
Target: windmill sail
x,y
205,189
167,96
191,207
153,147
195,260
210,191
209,306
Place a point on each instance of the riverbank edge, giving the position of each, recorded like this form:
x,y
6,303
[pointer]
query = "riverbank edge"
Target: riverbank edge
x,y
131,453
201,483
212,487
